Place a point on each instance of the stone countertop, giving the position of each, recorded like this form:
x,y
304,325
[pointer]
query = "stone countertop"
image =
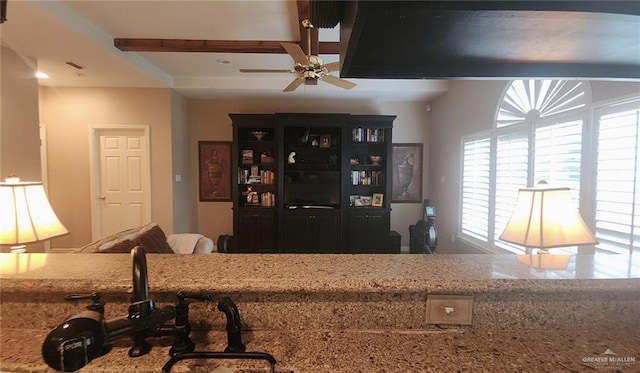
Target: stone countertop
x,y
463,350
394,287
267,273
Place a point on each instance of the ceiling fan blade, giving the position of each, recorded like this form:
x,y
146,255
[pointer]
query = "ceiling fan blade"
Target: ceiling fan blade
x,y
293,85
296,53
265,71
337,81
333,66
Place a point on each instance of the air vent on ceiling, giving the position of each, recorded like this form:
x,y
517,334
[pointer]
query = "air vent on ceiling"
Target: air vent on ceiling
x,y
74,65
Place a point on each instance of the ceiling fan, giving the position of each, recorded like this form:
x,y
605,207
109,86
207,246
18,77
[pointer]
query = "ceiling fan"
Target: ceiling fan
x,y
307,67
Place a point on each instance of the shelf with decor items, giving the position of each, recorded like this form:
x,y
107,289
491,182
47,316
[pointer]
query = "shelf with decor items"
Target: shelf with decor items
x,y
310,177
255,182
312,172
257,167
368,184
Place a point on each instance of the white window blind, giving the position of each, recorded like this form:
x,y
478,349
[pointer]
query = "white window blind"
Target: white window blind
x,y
558,153
545,130
512,168
617,180
475,188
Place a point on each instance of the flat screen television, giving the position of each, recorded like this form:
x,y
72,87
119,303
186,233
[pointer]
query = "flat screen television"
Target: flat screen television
x,y
312,188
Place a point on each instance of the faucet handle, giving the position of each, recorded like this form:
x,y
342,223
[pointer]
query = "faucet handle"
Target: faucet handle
x,y
182,296
95,297
141,309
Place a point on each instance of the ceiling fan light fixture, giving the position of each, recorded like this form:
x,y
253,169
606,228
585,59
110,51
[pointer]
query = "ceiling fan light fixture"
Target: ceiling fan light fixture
x,y
309,68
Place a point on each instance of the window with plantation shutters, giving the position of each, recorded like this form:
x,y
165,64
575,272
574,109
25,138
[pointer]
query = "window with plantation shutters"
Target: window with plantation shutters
x,y
537,136
512,170
558,160
475,188
558,154
617,212
545,130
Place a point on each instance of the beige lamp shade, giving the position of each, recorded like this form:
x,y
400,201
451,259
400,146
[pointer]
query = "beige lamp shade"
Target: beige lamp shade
x,y
25,214
545,218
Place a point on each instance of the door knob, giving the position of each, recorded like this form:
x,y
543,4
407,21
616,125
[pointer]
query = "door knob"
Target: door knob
x,y
102,197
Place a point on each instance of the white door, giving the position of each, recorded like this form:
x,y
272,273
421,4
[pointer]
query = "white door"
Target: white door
x,y
122,185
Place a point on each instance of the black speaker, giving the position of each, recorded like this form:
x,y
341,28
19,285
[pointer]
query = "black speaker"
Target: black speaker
x,y
394,242
223,244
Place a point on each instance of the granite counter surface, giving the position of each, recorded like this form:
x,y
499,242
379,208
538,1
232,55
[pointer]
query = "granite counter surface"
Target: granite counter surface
x,y
318,273
447,351
346,313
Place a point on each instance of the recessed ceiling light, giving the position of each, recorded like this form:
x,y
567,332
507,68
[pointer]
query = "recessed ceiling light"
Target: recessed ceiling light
x,y
41,75
222,61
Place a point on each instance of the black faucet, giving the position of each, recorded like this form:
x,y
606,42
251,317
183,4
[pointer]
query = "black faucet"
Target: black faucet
x,y
82,338
87,335
139,274
234,327
141,306
235,348
181,328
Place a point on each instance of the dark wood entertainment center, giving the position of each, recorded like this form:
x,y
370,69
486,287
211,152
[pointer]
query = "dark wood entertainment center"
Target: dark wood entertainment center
x,y
312,183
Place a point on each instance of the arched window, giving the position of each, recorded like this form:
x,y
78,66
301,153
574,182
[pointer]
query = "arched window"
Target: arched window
x,y
550,130
530,100
537,135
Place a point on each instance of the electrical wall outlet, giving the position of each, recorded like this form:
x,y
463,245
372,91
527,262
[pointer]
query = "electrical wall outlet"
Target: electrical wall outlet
x,y
449,309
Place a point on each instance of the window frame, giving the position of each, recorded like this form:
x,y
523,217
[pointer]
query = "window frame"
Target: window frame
x,y
589,115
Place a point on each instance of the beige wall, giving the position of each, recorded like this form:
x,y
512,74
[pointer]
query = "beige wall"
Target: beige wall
x,y
68,113
210,121
470,107
184,200
19,129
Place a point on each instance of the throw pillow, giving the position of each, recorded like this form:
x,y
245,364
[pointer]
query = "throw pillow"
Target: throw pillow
x,y
154,240
108,241
120,247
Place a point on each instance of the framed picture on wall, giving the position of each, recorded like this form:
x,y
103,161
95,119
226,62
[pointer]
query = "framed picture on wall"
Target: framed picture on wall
x,y
407,164
214,159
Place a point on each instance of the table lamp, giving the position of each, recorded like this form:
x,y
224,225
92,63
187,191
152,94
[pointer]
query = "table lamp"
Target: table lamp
x,y
544,218
26,215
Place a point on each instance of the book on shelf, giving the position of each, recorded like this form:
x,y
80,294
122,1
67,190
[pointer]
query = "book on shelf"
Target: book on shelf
x,y
366,177
267,199
267,177
247,156
367,135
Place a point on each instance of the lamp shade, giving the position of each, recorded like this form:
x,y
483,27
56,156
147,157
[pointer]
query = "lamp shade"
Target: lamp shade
x,y
545,218
26,215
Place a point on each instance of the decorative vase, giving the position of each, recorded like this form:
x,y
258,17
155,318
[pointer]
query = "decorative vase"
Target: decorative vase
x,y
405,175
214,171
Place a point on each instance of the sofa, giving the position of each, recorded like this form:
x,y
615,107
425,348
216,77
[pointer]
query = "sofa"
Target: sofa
x,y
153,240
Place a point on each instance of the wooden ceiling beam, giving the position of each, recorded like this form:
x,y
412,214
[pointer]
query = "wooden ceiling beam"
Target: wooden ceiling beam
x,y
212,46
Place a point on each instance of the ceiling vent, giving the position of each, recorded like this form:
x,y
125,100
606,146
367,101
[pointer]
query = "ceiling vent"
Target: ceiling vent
x,y
74,65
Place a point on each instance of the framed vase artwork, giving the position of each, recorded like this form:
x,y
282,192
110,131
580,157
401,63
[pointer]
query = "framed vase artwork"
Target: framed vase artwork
x,y
214,181
406,186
